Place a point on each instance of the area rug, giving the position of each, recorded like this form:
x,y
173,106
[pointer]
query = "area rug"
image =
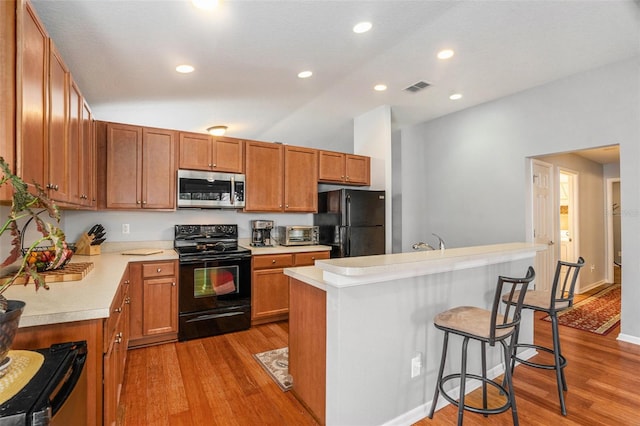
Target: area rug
x,y
276,363
598,313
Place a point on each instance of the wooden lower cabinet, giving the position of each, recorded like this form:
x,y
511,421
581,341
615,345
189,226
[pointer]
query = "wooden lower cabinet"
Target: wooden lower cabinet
x,y
308,346
270,286
106,353
116,336
154,302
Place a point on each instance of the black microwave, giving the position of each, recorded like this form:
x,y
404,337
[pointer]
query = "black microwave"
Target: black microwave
x,y
210,190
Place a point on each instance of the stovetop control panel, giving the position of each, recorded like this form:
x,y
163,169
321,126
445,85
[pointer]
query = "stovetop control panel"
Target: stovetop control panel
x,y
191,232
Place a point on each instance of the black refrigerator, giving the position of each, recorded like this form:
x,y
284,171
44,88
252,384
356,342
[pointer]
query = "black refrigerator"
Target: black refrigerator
x,y
351,221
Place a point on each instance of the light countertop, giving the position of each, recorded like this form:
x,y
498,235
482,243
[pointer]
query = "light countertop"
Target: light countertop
x,y
351,271
277,249
80,300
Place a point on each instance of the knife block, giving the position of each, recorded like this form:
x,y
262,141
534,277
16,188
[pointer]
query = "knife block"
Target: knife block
x,y
84,247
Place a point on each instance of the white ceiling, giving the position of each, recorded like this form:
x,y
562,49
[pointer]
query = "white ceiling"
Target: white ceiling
x,y
247,55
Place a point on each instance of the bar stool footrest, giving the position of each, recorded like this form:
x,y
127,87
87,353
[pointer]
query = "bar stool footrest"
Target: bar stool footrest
x,y
563,361
478,410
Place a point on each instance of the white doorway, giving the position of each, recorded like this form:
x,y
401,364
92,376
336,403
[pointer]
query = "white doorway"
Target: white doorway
x,y
542,199
614,231
568,214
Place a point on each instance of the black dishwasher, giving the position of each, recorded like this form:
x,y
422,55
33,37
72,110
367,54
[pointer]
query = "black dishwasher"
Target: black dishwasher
x,y
56,395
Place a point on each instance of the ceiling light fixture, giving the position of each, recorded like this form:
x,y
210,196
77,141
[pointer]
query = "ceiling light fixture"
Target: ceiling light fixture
x,y
455,96
362,27
184,69
205,4
217,130
445,54
380,87
305,74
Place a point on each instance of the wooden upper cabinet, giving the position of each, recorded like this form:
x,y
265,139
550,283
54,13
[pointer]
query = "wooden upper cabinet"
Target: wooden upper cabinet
x,y
300,179
58,155
33,86
347,169
358,169
8,103
141,167
158,169
87,158
124,166
264,169
74,135
211,153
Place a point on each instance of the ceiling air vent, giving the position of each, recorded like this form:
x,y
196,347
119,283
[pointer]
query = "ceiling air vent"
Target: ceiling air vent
x,y
416,87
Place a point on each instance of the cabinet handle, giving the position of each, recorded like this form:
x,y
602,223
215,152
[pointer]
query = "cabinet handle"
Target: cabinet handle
x,y
286,206
118,338
144,202
273,261
347,177
159,270
138,202
210,165
313,258
215,165
173,284
117,310
127,300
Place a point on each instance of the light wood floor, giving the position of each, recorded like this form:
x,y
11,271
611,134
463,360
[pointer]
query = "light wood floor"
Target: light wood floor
x,y
216,381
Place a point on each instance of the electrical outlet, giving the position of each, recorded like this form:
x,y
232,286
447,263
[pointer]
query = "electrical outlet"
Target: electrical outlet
x,y
416,365
125,228
593,268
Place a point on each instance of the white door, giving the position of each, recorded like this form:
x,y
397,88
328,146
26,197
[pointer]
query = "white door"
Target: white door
x,y
543,223
568,215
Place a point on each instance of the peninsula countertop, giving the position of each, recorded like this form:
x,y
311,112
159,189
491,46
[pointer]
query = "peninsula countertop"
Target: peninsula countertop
x,y
352,271
84,299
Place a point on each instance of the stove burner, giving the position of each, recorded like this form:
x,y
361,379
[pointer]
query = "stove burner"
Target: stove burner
x,y
199,241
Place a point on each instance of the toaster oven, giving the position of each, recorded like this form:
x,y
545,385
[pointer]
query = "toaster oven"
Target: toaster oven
x,y
297,235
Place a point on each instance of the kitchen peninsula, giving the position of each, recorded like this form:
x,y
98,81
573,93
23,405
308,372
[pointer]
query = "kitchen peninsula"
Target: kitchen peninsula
x,y
355,324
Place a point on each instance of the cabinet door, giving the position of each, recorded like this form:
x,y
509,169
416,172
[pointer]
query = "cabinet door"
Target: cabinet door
x,y
357,168
228,155
264,176
8,89
87,155
331,166
57,162
158,169
160,312
124,166
270,294
110,387
300,179
196,151
74,158
33,83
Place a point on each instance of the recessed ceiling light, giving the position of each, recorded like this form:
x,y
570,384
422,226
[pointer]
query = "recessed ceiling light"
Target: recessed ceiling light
x,y
362,27
445,54
305,74
184,69
455,96
380,87
205,4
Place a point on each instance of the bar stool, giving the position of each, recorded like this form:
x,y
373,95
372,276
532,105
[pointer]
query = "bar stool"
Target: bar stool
x,y
487,327
551,302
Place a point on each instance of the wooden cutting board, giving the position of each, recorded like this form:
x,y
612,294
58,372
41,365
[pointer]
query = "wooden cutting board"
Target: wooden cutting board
x,y
142,251
71,272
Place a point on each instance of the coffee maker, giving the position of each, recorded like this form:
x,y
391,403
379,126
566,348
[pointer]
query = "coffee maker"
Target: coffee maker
x,y
261,233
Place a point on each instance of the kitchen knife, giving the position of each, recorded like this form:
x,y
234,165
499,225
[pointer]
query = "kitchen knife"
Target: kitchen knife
x,y
98,241
93,230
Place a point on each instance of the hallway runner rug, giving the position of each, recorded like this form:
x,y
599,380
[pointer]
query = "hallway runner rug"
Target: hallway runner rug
x,y
598,313
276,363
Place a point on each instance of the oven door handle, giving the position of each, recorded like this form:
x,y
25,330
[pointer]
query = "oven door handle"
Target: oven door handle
x,y
213,259
214,316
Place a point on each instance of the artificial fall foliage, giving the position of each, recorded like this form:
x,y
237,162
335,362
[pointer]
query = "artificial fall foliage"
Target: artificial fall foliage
x,y
24,204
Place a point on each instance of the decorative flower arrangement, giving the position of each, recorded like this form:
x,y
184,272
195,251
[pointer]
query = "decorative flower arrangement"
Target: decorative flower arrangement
x,y
35,259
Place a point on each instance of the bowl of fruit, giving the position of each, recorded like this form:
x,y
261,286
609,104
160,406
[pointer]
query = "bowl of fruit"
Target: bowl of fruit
x,y
49,258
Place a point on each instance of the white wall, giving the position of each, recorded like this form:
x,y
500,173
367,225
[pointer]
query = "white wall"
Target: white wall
x,y
372,137
466,171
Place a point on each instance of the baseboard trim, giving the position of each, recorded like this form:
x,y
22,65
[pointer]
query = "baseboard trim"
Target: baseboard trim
x,y
628,338
591,286
421,411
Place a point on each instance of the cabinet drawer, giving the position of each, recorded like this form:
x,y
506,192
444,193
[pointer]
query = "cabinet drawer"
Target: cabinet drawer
x,y
306,259
272,261
158,269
